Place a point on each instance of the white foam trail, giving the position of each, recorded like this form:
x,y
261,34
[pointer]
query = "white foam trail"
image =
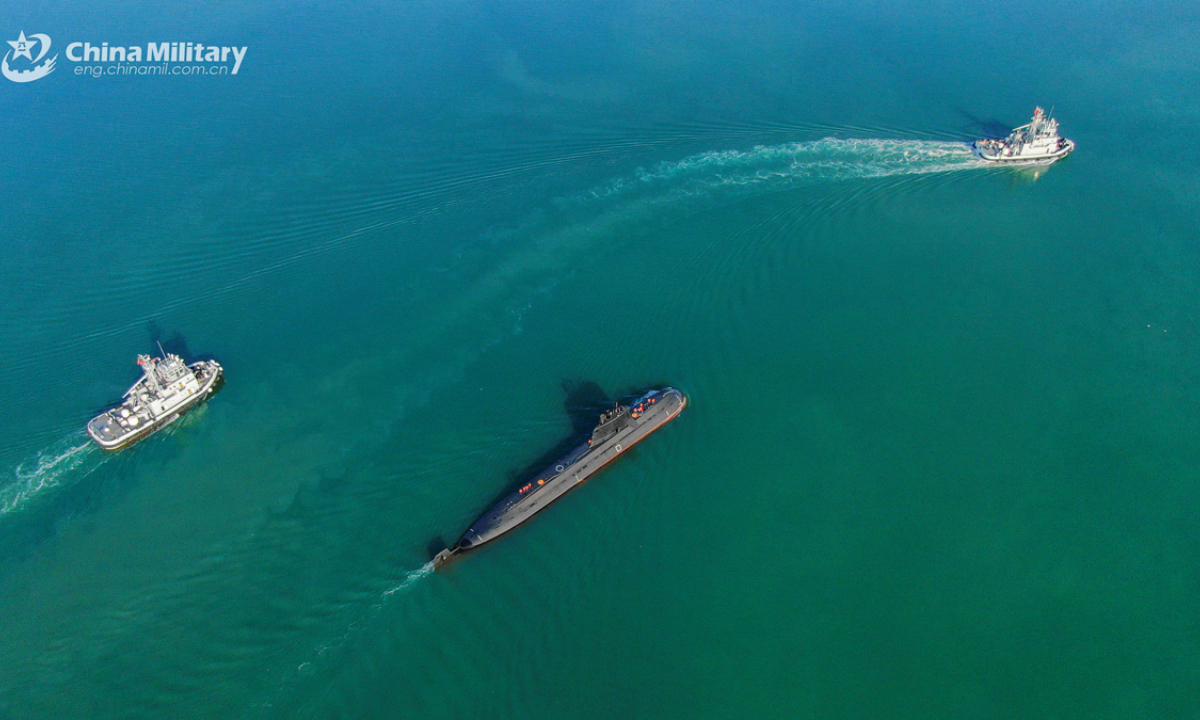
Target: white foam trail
x,y
411,579
52,467
603,215
779,167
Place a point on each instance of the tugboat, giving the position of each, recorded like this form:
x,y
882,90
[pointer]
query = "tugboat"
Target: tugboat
x,y
619,429
1037,142
168,388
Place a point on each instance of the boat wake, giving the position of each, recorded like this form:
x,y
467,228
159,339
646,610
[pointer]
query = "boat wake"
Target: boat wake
x,y
550,245
782,167
56,466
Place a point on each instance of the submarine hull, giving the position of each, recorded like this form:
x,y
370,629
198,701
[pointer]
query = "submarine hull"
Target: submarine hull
x,y
619,429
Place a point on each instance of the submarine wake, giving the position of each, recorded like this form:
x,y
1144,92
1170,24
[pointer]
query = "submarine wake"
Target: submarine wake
x,y
324,652
411,579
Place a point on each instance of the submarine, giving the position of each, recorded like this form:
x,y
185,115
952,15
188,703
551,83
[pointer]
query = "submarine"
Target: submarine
x,y
619,429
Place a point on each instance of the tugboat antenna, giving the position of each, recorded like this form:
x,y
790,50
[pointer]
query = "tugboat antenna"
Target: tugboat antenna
x,y
160,349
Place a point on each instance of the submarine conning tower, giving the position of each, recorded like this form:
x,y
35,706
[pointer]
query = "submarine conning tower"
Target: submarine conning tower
x,y
611,422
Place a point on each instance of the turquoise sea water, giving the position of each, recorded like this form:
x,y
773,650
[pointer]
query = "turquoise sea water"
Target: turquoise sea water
x,y
940,456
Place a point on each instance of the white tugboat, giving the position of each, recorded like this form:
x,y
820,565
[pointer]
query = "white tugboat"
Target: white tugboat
x,y
168,388
1037,142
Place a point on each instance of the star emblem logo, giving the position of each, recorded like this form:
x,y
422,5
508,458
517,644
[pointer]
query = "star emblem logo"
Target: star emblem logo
x,y
22,47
